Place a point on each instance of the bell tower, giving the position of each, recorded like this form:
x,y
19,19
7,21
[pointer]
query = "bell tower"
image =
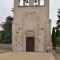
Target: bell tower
x,y
31,26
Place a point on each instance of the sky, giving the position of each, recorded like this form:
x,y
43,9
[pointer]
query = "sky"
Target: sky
x,y
7,5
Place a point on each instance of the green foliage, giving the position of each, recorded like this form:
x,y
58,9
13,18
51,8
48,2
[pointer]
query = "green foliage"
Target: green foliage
x,y
57,29
1,36
58,41
57,32
58,21
58,38
7,27
53,38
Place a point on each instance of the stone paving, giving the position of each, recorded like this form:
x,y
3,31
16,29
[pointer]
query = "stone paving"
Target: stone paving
x,y
26,56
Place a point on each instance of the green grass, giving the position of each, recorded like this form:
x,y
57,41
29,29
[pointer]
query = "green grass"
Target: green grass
x,y
5,48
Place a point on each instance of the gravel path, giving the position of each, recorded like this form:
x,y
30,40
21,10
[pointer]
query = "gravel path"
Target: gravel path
x,y
26,56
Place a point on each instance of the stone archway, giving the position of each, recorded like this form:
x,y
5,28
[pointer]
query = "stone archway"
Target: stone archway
x,y
30,42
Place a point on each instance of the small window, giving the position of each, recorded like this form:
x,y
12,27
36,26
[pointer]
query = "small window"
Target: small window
x,y
20,2
17,32
41,2
35,2
27,3
23,2
41,28
38,2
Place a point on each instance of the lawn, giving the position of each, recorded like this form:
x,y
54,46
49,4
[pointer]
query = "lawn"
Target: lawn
x,y
3,50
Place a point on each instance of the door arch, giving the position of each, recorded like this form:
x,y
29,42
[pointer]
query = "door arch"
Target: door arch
x,y
30,42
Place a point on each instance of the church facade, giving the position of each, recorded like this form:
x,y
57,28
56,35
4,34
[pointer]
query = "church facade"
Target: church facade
x,y
31,29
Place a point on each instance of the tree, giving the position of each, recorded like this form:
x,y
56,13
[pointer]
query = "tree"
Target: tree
x,y
57,32
53,38
58,29
58,21
1,36
58,41
7,27
58,37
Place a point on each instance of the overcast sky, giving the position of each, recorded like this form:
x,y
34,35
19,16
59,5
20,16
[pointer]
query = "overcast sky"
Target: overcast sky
x,y
7,5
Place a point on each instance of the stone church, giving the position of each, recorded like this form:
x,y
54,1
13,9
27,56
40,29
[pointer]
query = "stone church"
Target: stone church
x,y
31,28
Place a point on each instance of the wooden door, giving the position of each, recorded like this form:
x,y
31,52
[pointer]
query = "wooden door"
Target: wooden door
x,y
30,44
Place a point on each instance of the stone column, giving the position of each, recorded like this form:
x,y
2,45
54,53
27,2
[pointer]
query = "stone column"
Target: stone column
x,y
23,2
38,2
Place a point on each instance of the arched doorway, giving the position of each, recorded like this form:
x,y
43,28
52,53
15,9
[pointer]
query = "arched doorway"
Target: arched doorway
x,y
30,40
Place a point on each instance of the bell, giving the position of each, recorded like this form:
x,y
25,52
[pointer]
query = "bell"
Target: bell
x,y
35,1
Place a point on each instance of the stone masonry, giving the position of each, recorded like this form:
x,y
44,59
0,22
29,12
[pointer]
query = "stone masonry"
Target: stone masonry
x,y
31,21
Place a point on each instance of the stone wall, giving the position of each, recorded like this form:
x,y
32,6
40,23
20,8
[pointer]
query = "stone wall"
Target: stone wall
x,y
31,19
5,46
57,49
